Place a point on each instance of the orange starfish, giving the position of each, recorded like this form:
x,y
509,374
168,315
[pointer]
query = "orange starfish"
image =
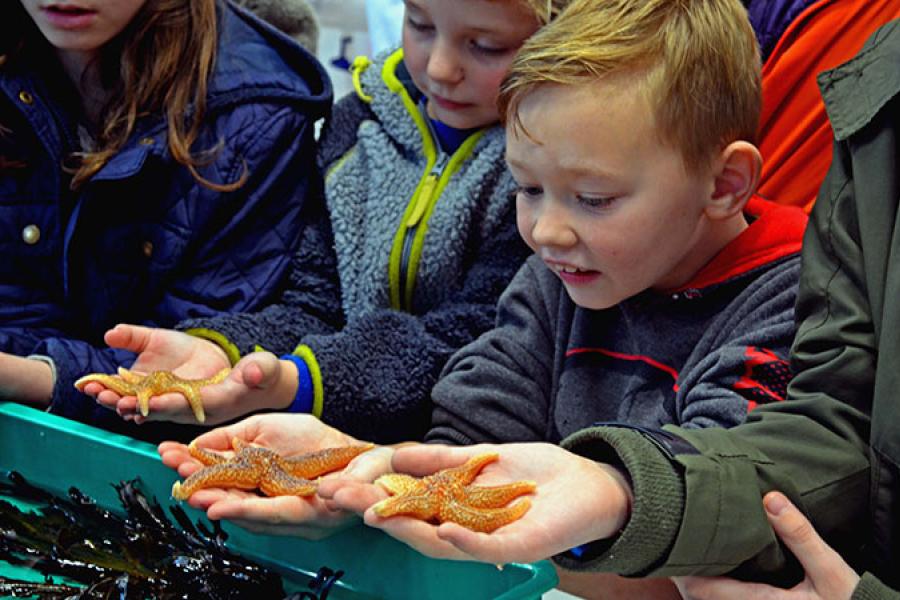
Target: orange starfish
x,y
254,467
129,383
448,496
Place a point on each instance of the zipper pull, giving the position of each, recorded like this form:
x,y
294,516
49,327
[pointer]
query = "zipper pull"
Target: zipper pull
x,y
427,191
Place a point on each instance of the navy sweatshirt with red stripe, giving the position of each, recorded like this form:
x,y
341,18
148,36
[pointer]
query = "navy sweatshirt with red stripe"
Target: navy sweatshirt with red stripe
x,y
699,356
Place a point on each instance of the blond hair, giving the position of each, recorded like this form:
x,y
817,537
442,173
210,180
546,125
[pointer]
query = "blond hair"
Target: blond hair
x,y
699,61
544,10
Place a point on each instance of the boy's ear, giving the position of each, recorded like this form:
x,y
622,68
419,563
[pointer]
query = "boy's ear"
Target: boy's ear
x,y
736,175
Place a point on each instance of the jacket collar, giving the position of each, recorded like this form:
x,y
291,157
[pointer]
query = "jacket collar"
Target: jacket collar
x,y
855,91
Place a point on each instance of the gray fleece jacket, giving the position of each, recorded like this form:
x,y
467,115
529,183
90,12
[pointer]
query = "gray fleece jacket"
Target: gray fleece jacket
x,y
699,356
401,267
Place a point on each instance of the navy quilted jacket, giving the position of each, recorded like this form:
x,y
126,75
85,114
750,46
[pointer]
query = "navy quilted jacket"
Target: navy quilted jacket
x,y
143,241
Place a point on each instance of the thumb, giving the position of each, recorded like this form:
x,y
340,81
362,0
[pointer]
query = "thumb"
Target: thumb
x,y
258,370
799,536
133,338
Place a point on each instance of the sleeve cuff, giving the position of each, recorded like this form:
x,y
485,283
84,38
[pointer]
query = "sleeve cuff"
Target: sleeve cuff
x,y
304,354
655,519
870,588
303,399
231,350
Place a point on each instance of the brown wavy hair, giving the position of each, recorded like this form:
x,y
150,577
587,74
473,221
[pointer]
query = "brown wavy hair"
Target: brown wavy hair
x,y
160,64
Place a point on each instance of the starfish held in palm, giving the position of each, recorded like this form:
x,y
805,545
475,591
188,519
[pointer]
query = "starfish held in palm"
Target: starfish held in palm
x,y
129,383
449,496
255,467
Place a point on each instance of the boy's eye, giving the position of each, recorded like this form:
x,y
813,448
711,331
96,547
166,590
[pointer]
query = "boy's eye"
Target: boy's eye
x,y
528,191
418,25
487,49
597,201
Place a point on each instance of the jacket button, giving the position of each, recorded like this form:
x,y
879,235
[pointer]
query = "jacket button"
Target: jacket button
x,y
147,248
26,97
147,141
31,234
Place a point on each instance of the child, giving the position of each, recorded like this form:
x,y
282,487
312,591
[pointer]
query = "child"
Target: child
x,y
690,503
657,295
420,217
116,205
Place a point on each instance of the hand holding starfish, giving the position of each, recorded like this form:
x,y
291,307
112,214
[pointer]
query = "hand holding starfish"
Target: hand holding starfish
x,y
309,517
259,381
577,501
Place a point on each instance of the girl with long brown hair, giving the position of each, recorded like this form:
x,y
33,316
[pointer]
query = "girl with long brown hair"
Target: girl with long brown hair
x,y
154,159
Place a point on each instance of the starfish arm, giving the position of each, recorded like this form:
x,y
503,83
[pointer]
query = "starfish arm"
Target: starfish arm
x,y
324,461
129,376
217,378
419,507
112,382
466,473
397,483
238,474
206,457
143,399
484,520
191,392
497,496
279,483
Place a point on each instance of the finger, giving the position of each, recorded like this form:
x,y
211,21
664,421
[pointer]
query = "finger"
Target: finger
x,y
107,398
220,438
419,535
724,588
354,497
424,459
280,510
496,548
798,534
92,388
134,338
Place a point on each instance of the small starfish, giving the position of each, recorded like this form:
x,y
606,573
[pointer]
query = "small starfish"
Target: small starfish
x,y
448,496
129,383
254,467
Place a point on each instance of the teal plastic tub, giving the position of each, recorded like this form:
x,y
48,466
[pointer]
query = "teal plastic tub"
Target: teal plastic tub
x,y
57,453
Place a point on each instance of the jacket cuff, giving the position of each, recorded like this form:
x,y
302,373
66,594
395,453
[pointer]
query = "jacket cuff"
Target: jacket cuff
x,y
870,588
658,490
317,392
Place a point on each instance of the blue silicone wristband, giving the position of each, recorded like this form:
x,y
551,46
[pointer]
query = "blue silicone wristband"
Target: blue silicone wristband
x,y
303,399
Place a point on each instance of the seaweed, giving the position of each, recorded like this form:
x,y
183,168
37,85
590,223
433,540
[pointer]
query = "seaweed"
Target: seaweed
x,y
141,555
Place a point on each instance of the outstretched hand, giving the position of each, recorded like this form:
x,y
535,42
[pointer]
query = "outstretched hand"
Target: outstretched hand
x,y
828,576
577,501
287,435
159,350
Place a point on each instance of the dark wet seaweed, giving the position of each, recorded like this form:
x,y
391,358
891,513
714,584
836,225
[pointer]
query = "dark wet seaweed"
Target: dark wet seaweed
x,y
140,555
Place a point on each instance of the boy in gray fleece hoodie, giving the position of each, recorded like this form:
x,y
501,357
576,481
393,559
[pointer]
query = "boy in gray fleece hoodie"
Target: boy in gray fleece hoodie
x,y
401,263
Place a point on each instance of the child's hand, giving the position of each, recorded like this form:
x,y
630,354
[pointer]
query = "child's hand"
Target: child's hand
x,y
257,382
828,576
159,350
288,435
577,501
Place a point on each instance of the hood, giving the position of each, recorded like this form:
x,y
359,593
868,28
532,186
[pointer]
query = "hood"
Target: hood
x,y
256,62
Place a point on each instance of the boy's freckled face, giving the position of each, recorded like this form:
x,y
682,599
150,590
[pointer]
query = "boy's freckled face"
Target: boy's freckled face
x,y
607,206
458,51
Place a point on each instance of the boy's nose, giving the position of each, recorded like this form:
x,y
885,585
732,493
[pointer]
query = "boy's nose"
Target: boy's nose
x,y
552,227
443,64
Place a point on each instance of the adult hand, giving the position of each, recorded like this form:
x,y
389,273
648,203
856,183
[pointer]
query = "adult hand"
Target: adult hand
x,y
577,501
160,350
828,576
283,515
